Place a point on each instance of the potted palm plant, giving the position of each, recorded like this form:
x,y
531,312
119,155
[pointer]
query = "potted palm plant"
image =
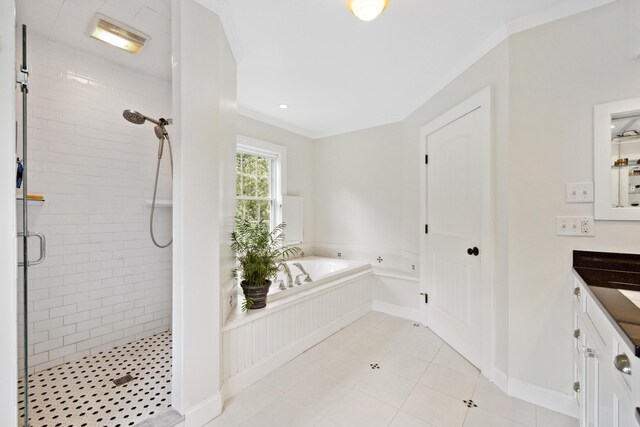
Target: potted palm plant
x,y
259,252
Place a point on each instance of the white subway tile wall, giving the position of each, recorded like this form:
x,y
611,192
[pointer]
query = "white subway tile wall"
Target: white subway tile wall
x,y
103,283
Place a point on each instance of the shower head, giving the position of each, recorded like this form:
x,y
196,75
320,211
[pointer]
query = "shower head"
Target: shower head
x,y
137,118
133,117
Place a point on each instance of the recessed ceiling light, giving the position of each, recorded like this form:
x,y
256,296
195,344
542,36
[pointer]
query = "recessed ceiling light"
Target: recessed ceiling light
x,y
612,126
283,106
116,34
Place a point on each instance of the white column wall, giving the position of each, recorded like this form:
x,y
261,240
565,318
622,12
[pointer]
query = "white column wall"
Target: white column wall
x,y
204,105
8,314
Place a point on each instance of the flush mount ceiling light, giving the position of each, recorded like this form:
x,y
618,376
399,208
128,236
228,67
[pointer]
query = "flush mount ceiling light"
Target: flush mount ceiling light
x,y
367,10
283,106
115,33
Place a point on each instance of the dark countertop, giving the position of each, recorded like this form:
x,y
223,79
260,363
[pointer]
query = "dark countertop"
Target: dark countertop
x,y
604,274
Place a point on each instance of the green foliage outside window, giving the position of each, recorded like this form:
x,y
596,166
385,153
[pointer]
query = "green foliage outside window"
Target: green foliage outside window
x,y
253,188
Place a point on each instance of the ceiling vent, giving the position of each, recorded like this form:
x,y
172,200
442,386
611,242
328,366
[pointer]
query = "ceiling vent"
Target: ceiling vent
x,y
116,34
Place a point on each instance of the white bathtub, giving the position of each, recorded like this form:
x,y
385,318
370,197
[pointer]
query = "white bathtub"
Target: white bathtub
x,y
321,271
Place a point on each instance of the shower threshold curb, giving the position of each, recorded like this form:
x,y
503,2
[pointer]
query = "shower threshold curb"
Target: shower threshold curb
x,y
166,419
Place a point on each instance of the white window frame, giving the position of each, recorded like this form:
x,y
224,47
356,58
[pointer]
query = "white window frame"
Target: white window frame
x,y
278,153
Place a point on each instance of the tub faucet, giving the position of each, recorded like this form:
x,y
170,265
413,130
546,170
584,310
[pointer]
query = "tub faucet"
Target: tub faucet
x,y
284,266
299,281
281,285
307,277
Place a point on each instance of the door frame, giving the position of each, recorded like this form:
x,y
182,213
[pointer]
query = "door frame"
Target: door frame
x,y
481,101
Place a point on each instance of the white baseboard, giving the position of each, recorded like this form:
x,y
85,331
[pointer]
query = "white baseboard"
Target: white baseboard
x,y
396,310
204,412
500,379
564,403
554,400
242,380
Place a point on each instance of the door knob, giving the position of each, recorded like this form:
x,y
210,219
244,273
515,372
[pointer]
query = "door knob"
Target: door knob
x,y
473,251
622,363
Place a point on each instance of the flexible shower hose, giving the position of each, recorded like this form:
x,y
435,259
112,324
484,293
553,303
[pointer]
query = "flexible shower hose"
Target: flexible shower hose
x,y
155,191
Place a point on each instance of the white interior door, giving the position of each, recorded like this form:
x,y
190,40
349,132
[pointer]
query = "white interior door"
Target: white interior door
x,y
455,209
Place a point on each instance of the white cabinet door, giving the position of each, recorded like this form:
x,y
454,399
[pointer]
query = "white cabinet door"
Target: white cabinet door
x,y
615,407
590,383
605,396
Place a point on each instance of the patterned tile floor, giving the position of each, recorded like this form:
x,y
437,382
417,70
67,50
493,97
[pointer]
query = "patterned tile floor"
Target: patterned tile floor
x,y
83,394
381,371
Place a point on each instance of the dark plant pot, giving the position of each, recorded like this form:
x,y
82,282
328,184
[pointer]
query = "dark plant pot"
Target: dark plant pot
x,y
257,293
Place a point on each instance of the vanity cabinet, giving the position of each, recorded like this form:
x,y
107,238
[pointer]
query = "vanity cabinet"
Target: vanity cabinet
x,y
606,396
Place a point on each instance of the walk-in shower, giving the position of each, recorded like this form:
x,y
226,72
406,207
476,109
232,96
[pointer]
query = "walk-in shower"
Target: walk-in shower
x,y
94,317
161,133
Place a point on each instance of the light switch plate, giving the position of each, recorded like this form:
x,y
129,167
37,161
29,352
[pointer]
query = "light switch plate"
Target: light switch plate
x,y
577,226
579,192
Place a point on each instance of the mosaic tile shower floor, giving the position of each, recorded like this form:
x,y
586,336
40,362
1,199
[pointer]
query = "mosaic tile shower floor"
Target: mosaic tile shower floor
x,y
83,394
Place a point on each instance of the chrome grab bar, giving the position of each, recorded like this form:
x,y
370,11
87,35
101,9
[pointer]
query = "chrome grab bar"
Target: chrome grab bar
x,y
43,248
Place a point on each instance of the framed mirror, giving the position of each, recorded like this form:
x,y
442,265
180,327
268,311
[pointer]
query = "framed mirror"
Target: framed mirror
x,y
616,145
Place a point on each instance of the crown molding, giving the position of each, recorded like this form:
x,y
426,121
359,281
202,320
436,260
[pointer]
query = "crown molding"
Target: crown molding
x,y
553,13
545,16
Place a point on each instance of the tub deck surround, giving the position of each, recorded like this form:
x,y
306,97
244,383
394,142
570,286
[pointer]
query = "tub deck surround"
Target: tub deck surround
x,y
613,280
397,273
321,270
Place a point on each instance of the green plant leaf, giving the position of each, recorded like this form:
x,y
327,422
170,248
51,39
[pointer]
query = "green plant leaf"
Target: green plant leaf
x,y
259,251
247,303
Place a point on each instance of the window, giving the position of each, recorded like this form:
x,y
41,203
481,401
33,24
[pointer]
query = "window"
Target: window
x,y
254,191
259,180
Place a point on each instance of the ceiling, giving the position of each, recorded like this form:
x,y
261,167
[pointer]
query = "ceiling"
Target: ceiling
x,y
65,21
336,73
339,74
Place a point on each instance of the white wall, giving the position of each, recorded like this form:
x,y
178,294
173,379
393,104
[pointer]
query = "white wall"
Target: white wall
x,y
358,191
103,283
558,73
301,173
8,262
204,100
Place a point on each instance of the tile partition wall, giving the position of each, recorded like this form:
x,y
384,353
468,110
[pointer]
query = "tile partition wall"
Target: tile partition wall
x,y
103,283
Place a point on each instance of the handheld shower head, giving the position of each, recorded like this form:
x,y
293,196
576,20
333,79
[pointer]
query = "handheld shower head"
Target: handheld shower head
x,y
161,133
134,117
138,118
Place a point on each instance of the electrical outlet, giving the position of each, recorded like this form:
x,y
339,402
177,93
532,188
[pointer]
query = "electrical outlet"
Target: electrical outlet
x,y
575,226
579,192
587,226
